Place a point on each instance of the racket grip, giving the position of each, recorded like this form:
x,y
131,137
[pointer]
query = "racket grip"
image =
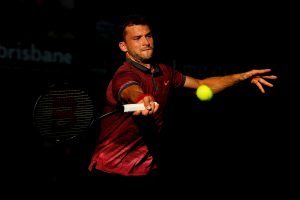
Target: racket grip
x,y
134,107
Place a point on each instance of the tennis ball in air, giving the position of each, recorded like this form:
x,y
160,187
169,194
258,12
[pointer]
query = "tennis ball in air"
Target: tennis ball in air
x,y
204,93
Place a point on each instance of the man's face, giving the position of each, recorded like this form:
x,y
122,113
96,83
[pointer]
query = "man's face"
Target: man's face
x,y
138,43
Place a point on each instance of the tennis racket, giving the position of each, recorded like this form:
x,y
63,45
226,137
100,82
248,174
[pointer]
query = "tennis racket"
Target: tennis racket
x,y
63,112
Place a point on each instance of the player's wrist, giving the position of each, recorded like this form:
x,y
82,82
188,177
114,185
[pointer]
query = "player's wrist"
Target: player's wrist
x,y
244,76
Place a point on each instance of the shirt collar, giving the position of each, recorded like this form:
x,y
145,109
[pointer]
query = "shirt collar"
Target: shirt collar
x,y
143,68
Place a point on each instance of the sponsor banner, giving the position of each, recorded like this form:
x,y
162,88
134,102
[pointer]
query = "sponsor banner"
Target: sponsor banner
x,y
32,53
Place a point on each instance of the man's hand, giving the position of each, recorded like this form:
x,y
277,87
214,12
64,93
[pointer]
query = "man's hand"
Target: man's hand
x,y
150,105
258,78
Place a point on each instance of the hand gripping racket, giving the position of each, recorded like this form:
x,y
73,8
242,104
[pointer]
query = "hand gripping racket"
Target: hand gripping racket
x,y
134,107
123,108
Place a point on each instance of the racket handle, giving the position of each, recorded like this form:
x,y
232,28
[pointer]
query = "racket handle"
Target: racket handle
x,y
134,107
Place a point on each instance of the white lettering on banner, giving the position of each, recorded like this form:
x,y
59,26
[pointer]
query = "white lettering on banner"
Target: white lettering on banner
x,y
34,54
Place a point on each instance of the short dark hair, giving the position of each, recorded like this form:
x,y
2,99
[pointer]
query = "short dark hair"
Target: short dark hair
x,y
129,20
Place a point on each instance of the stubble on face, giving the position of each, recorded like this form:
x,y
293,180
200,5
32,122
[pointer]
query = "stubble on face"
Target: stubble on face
x,y
143,56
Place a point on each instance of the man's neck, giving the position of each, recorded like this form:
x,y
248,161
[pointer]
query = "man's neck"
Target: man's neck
x,y
151,67
147,65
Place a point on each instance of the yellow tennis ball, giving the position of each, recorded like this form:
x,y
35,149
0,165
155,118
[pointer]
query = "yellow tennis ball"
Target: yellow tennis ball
x,y
204,93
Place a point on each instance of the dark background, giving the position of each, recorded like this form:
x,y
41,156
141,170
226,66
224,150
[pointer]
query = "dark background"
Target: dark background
x,y
240,135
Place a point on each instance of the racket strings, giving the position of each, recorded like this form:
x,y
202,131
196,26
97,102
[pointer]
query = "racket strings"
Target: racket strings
x,y
63,113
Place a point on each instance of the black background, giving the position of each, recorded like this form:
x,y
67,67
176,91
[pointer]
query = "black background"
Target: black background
x,y
240,135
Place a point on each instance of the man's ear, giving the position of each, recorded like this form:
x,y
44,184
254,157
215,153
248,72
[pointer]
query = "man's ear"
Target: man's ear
x,y
123,46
